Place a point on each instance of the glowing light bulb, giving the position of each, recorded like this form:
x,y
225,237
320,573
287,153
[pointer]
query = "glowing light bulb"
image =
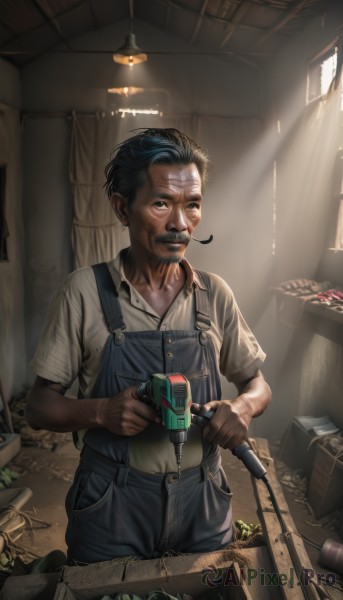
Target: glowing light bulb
x,y
131,61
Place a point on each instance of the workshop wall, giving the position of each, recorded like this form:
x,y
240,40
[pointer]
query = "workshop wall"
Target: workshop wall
x,y
12,324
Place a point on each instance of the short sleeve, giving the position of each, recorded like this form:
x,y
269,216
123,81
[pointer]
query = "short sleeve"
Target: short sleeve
x,y
58,356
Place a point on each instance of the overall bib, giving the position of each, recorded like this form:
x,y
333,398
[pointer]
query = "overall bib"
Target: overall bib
x,y
116,510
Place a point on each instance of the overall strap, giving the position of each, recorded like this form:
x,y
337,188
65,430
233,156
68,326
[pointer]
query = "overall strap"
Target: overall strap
x,y
202,302
108,297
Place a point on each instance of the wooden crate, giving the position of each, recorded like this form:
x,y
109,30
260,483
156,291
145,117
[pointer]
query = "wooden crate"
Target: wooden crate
x,y
325,490
178,574
296,450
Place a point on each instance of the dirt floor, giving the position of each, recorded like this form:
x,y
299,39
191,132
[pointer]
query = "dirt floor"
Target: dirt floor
x,y
48,472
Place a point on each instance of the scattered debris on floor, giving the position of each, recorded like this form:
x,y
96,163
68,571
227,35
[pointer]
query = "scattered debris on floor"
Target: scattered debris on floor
x,y
7,476
297,484
27,464
333,443
14,522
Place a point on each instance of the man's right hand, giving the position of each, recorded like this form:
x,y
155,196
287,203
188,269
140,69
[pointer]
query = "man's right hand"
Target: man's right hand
x,y
124,414
48,408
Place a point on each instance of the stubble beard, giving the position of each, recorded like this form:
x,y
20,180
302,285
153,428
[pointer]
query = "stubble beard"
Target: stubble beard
x,y
169,260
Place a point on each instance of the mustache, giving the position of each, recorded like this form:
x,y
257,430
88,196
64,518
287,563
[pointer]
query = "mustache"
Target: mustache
x,y
174,236
208,241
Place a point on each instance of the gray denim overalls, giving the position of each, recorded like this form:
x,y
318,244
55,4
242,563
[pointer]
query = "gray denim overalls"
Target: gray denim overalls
x,y
115,510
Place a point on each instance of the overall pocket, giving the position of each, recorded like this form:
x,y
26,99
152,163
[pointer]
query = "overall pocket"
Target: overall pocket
x,y
220,484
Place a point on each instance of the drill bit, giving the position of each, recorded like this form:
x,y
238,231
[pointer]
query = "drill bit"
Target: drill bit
x,y
178,438
178,455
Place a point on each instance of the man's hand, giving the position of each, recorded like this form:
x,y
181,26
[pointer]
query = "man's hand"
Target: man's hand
x,y
231,420
48,408
124,414
229,425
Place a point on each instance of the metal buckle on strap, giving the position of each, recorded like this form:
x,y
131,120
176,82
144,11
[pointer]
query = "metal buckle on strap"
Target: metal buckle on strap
x,y
119,337
202,335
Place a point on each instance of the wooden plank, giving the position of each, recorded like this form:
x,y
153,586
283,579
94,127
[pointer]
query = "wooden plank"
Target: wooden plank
x,y
287,548
259,565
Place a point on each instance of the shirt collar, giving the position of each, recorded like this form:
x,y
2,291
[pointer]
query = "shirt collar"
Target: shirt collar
x,y
117,270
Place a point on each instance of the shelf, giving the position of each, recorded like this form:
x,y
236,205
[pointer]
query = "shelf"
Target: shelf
x,y
322,319
324,311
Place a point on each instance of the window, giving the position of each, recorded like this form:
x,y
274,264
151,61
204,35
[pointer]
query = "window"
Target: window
x,y
321,73
3,224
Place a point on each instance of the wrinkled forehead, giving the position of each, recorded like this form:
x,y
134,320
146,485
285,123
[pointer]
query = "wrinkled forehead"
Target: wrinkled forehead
x,y
169,175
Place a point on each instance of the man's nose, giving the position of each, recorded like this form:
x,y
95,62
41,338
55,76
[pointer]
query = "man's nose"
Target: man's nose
x,y
177,220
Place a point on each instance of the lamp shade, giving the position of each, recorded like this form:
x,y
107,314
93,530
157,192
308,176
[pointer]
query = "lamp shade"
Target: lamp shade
x,y
129,53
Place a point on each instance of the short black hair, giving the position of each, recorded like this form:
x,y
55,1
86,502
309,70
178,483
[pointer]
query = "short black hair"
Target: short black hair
x,y
164,146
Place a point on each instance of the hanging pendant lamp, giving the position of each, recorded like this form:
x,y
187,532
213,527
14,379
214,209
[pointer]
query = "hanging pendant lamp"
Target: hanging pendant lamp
x,y
129,54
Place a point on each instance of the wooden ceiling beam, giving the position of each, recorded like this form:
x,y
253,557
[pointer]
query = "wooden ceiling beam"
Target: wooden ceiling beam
x,y
224,7
47,14
175,4
199,21
234,22
288,16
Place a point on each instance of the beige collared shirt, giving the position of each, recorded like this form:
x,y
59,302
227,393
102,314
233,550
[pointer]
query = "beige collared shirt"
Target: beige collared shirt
x,y
75,332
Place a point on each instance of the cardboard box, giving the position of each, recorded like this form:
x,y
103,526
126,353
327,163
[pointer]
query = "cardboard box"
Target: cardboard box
x,y
325,490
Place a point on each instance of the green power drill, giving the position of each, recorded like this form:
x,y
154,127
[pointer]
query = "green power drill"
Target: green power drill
x,y
171,396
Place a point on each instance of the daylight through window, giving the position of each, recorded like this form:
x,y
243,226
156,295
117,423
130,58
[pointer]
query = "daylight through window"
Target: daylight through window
x,y
321,73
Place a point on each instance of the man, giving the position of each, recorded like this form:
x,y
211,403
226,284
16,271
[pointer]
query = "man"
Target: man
x,y
114,326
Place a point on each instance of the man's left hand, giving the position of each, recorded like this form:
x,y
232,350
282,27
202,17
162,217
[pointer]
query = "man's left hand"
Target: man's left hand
x,y
231,420
229,425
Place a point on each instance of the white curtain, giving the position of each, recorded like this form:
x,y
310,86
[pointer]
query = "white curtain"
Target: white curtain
x,y
97,234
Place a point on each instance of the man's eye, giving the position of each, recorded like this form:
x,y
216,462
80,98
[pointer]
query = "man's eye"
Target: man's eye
x,y
194,205
160,204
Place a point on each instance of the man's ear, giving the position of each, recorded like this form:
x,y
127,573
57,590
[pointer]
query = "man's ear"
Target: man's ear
x,y
119,205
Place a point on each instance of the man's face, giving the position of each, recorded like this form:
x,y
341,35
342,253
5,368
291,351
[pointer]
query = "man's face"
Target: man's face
x,y
165,211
